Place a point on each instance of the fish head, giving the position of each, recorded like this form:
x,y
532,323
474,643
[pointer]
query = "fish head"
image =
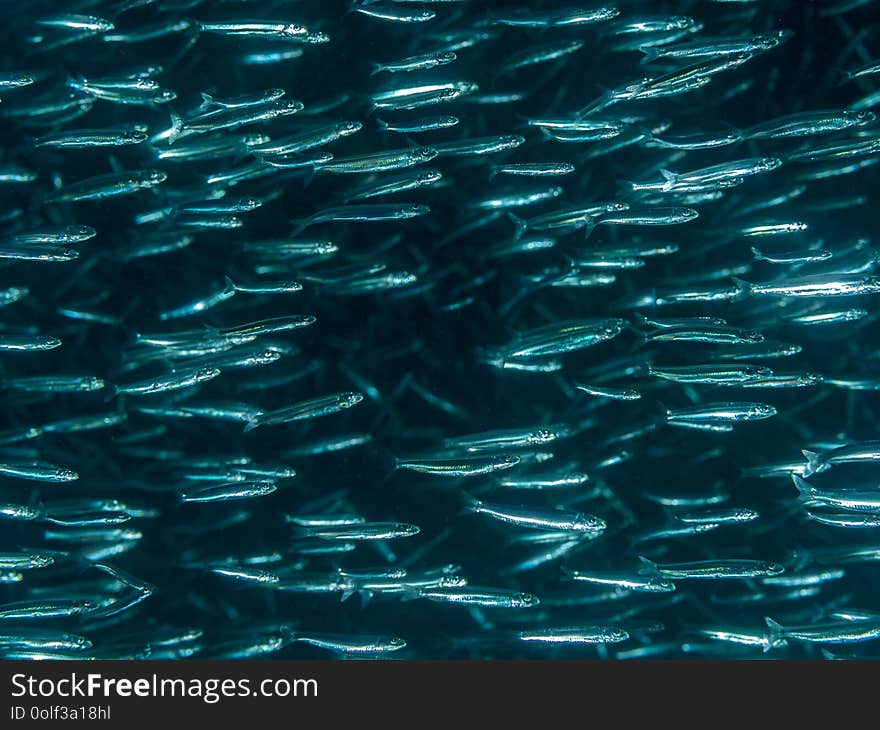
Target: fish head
x,y
349,399
79,231
767,42
145,85
414,209
395,642
452,581
290,106
292,30
782,35
64,475
206,373
744,514
256,138
91,383
590,523
761,410
505,461
466,87
767,164
524,600
316,38
133,136
249,203
152,177
403,529
810,379
265,357
680,22
429,176
612,327
20,79
770,568
325,248
860,117
424,154
85,605
755,337
445,57
541,436
613,635
42,561
560,431
163,96
659,584
349,127
80,642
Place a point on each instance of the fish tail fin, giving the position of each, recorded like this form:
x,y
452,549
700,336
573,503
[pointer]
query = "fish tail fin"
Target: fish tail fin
x,y
669,179
230,285
743,289
493,171
776,633
207,101
299,225
471,504
640,319
381,123
521,225
391,465
805,489
377,69
252,424
651,54
757,254
649,567
589,228
604,101
176,126
627,186
813,462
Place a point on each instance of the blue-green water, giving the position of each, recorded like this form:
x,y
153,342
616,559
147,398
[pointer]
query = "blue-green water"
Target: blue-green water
x,y
689,239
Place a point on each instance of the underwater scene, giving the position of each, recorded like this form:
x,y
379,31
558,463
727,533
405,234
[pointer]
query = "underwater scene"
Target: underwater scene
x,y
439,329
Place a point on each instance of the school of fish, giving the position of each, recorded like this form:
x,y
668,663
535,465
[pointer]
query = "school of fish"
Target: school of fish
x,y
427,329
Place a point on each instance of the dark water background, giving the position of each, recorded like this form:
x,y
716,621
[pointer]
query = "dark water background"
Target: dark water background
x,y
393,336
